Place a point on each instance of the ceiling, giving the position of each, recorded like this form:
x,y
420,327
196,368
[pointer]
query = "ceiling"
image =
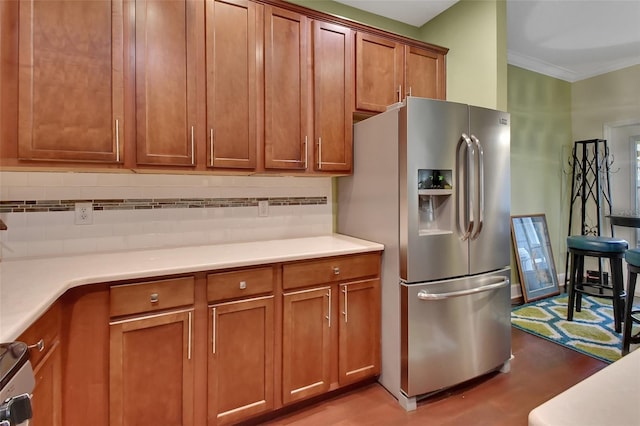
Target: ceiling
x,y
566,39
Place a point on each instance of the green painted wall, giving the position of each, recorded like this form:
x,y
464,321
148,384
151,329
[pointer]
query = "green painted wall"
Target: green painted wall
x,y
541,133
606,98
475,32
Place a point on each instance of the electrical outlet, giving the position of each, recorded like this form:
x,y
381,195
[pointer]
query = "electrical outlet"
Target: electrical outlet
x,y
84,214
263,208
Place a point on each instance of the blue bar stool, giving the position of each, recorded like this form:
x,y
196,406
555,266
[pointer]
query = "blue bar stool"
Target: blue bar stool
x,y
614,249
632,257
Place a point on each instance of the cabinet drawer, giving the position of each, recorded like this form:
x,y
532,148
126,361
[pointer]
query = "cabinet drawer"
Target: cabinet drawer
x,y
236,284
47,329
128,299
321,271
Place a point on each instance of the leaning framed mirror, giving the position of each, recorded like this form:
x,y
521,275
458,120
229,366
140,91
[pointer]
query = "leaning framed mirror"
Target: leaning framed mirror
x,y
536,268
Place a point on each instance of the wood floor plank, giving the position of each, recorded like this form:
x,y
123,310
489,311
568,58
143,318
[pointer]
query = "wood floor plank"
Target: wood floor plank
x,y
539,370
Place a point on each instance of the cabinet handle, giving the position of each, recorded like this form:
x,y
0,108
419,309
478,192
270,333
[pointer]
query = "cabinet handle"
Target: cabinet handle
x,y
409,90
189,347
155,297
213,330
211,147
306,152
328,317
243,285
336,270
344,290
193,157
117,141
400,93
319,153
39,345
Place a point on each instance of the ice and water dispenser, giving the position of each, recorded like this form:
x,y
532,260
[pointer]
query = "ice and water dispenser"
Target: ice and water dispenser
x,y
435,202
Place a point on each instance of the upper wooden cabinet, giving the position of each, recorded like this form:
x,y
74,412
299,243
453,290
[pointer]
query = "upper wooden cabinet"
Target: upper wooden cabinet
x,y
333,100
166,45
308,110
287,134
378,72
424,73
199,85
233,40
387,71
71,81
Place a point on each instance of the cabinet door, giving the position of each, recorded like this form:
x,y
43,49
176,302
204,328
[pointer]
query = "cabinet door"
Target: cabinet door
x,y
46,400
359,347
286,92
424,73
306,344
71,81
379,72
333,108
240,360
234,28
165,50
151,370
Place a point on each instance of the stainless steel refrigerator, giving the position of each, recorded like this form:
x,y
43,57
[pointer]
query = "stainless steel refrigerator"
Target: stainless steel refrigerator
x,y
431,182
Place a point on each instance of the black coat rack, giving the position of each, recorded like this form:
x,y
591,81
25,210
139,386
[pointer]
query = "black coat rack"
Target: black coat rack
x,y
590,189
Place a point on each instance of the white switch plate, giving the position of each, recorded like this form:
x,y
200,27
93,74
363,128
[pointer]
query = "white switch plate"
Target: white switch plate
x,y
263,208
84,214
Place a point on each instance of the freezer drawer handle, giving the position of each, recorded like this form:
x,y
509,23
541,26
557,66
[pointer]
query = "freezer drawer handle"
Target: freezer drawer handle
x,y
424,295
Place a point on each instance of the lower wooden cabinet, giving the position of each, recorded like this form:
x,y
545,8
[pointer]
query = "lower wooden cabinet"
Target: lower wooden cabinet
x,y
152,370
306,343
43,337
211,348
47,395
359,331
241,360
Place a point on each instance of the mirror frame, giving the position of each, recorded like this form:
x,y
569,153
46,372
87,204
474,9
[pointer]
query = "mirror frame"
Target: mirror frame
x,y
538,276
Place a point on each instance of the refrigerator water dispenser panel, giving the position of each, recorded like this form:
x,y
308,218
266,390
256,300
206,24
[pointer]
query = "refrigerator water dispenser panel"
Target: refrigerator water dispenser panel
x,y
434,179
434,203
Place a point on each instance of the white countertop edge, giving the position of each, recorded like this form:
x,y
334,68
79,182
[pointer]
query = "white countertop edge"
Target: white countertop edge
x,y
28,287
608,397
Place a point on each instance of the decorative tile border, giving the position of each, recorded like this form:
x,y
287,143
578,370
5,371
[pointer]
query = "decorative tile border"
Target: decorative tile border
x,y
29,206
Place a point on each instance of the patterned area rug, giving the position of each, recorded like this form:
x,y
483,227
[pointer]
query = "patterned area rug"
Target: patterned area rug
x,y
591,331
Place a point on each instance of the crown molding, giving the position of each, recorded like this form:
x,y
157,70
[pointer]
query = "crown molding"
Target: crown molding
x,y
551,70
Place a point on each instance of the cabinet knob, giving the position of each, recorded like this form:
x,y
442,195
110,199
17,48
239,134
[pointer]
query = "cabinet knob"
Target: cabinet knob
x,y
336,270
155,297
243,285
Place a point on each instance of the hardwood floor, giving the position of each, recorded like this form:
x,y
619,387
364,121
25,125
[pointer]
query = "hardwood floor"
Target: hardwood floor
x,y
539,370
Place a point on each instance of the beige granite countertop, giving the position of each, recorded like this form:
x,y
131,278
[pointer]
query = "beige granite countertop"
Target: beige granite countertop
x,y
29,286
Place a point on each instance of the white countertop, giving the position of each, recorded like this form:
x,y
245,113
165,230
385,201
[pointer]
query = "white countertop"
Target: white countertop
x,y
609,397
28,287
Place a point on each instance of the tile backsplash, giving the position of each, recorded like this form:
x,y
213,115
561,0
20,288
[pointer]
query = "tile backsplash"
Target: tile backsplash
x,y
145,211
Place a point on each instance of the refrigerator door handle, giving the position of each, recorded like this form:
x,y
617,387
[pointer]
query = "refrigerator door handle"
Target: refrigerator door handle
x,y
425,295
479,187
464,225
